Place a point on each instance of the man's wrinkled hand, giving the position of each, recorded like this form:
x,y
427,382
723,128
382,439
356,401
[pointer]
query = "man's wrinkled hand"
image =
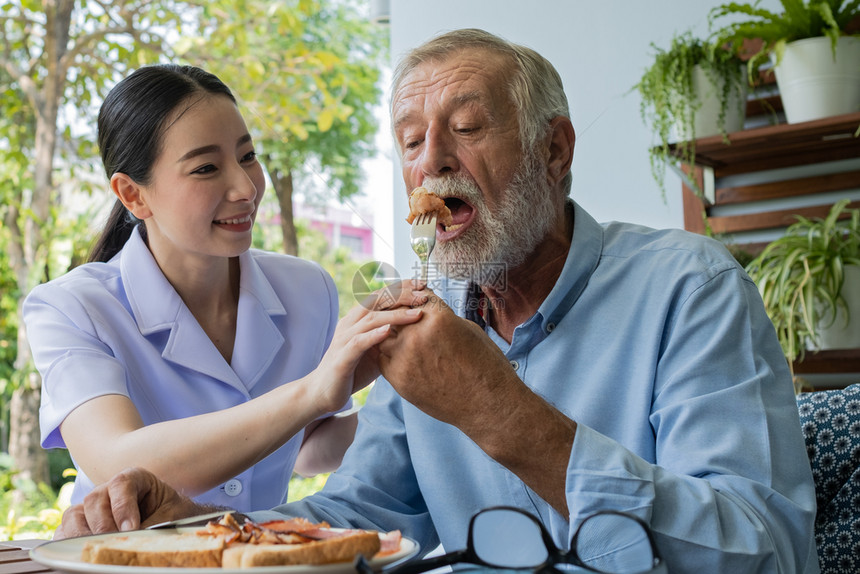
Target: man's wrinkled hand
x,y
446,365
132,499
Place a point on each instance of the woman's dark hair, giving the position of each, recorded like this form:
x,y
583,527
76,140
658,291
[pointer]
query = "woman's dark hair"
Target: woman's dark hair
x,y
131,126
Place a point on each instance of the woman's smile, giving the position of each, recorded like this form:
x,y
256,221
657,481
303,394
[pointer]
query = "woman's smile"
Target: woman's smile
x,y
239,224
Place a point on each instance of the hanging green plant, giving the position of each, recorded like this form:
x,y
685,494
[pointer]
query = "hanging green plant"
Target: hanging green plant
x,y
670,98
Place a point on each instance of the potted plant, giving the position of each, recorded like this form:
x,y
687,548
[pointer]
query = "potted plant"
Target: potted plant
x,y
693,89
815,57
802,278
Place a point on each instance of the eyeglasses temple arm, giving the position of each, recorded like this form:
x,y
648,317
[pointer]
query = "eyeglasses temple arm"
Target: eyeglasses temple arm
x,y
418,566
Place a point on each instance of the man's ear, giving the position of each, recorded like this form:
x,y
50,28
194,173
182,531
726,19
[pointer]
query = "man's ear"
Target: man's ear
x,y
560,144
129,193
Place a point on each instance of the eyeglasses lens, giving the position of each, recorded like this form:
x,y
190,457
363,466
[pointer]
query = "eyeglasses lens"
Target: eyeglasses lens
x,y
614,543
507,538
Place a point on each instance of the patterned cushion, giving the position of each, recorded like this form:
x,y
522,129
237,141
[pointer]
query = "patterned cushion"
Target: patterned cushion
x,y
831,428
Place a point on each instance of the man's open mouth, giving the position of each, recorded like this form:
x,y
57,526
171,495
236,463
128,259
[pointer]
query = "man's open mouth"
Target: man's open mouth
x,y
461,212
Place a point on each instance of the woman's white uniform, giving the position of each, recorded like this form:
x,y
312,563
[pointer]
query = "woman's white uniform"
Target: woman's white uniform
x,y
120,328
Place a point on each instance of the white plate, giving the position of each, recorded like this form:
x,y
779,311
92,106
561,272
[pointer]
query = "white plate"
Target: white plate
x,y
65,555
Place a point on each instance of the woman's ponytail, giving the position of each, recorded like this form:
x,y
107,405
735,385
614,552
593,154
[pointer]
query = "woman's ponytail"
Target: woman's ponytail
x,y
117,230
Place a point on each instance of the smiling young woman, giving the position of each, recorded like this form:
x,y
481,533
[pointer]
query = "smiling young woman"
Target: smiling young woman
x,y
178,348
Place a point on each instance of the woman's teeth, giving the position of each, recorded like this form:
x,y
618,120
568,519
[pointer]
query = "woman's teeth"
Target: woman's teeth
x,y
234,221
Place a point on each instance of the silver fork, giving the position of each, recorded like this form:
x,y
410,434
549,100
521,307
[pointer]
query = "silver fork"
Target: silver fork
x,y
423,238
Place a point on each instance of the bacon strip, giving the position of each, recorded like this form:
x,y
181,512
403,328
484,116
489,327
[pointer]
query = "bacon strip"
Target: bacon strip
x,y
293,531
390,543
292,525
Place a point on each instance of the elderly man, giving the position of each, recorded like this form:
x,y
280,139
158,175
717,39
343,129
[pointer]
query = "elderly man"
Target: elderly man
x,y
607,366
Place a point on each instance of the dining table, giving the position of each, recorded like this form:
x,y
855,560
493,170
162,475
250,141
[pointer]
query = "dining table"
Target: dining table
x,y
15,558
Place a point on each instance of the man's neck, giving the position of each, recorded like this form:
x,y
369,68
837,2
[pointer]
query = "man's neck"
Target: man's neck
x,y
528,285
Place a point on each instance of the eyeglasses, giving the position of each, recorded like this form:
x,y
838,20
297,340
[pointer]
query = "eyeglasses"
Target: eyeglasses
x,y
607,541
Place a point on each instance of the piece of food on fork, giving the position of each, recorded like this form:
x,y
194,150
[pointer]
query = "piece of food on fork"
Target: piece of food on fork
x,y
421,201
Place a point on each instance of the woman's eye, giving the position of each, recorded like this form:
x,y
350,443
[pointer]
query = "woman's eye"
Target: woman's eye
x,y
248,157
206,169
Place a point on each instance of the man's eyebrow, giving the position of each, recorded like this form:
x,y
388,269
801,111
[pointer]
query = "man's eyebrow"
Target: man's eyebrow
x,y
401,119
475,97
468,98
211,148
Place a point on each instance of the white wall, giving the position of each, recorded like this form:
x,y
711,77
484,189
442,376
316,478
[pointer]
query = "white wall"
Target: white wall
x,y
600,49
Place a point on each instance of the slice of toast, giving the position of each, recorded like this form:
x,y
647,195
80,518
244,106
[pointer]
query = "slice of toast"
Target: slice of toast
x,y
168,550
338,549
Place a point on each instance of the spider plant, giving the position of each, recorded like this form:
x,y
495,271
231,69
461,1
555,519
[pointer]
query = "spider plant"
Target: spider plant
x,y
800,275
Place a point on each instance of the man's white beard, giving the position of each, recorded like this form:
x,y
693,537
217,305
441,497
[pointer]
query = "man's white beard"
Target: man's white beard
x,y
500,240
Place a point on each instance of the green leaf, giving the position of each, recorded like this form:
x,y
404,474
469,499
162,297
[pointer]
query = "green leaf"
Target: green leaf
x,y
325,119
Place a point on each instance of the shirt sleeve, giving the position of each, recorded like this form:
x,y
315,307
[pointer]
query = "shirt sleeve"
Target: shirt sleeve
x,y
75,364
730,489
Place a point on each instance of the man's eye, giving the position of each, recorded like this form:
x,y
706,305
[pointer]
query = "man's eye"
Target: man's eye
x,y
412,144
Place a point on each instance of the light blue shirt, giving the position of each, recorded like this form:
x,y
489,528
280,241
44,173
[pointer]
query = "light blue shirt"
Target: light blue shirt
x,y
657,344
121,328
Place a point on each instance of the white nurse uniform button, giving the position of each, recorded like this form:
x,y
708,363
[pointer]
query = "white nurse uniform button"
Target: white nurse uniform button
x,y
233,487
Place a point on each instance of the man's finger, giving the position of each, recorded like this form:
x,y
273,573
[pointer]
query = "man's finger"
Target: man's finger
x,y
74,523
125,495
97,512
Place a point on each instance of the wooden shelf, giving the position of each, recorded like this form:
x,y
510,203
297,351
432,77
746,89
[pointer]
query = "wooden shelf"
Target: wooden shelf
x,y
769,148
836,361
782,145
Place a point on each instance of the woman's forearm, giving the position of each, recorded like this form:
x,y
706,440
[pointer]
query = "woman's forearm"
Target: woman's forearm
x,y
194,454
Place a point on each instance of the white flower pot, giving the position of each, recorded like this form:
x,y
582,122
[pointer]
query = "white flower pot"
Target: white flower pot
x,y
706,119
812,85
842,333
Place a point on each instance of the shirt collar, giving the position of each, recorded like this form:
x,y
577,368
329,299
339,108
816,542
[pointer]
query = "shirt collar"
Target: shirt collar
x,y
153,299
582,259
157,307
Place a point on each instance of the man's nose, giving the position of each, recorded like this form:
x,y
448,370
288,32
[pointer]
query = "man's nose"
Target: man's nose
x,y
439,155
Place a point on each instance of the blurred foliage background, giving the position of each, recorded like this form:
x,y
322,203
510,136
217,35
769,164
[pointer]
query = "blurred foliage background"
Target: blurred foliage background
x,y
307,76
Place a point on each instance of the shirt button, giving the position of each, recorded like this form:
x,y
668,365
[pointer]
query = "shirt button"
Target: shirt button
x,y
233,487
550,327
515,365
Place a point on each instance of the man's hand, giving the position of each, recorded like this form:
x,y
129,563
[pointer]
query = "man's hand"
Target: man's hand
x,y
447,366
450,369
132,499
350,363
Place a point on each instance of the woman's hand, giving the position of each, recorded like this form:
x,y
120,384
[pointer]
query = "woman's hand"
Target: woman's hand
x,y
351,362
